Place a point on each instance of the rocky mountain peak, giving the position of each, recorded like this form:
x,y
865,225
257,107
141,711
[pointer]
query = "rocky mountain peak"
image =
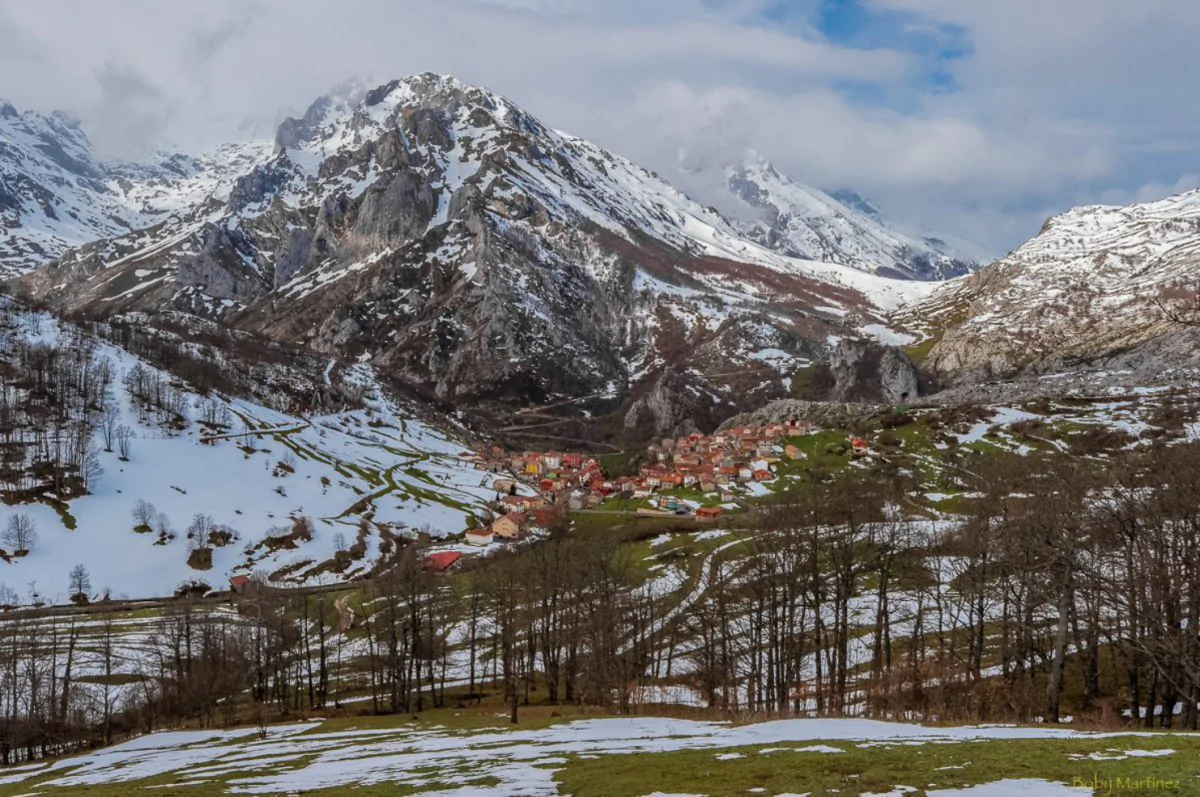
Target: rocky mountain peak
x,y
856,201
805,222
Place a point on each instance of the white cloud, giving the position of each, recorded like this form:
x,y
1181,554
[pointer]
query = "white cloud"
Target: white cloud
x,y
1058,101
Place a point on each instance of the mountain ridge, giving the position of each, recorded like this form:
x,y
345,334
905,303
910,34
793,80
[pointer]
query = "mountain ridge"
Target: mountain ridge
x,y
805,222
480,256
55,195
1086,292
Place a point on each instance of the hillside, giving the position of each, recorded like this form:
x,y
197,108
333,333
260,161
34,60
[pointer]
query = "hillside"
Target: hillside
x,y
619,757
1084,294
298,498
922,577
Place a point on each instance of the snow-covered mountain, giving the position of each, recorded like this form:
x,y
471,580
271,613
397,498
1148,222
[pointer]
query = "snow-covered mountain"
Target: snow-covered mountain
x,y
805,222
478,255
55,195
1088,286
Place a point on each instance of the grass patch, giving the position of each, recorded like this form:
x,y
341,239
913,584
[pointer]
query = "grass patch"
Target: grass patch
x,y
917,352
63,511
200,559
623,463
880,769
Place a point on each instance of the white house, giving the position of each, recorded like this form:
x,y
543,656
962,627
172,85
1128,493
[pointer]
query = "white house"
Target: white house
x,y
480,537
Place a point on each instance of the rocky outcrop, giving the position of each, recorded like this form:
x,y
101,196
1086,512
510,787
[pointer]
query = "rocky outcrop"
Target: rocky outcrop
x,y
868,372
820,413
668,408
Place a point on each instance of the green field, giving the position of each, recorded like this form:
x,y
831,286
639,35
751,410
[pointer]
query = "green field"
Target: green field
x,y
471,750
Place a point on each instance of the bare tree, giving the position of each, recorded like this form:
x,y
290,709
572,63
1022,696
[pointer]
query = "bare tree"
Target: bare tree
x,y
21,533
1179,306
124,435
92,469
80,585
109,416
201,526
144,515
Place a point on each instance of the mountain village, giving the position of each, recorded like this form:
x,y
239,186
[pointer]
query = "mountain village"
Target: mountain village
x,y
535,488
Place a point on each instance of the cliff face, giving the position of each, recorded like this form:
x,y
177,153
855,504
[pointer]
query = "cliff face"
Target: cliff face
x,y
872,373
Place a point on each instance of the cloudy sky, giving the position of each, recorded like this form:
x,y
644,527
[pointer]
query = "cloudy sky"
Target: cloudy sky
x,y
976,118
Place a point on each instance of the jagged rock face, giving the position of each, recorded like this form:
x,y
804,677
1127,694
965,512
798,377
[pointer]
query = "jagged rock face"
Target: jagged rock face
x,y
866,372
804,222
698,389
1085,289
821,413
479,257
664,409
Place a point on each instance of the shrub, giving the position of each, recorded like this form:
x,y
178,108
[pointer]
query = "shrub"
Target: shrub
x,y
894,420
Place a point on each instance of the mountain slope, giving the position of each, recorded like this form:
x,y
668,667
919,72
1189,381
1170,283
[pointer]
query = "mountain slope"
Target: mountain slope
x,y
804,222
479,256
1087,287
359,476
55,195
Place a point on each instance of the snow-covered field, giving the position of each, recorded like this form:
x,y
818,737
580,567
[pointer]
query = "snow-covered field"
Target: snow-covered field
x,y
492,762
375,461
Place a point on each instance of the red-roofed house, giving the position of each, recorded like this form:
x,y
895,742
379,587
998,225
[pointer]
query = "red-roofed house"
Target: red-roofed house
x,y
508,526
521,502
442,561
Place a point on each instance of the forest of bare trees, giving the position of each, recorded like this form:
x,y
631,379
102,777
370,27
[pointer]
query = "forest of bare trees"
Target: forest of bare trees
x,y
50,397
1066,586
